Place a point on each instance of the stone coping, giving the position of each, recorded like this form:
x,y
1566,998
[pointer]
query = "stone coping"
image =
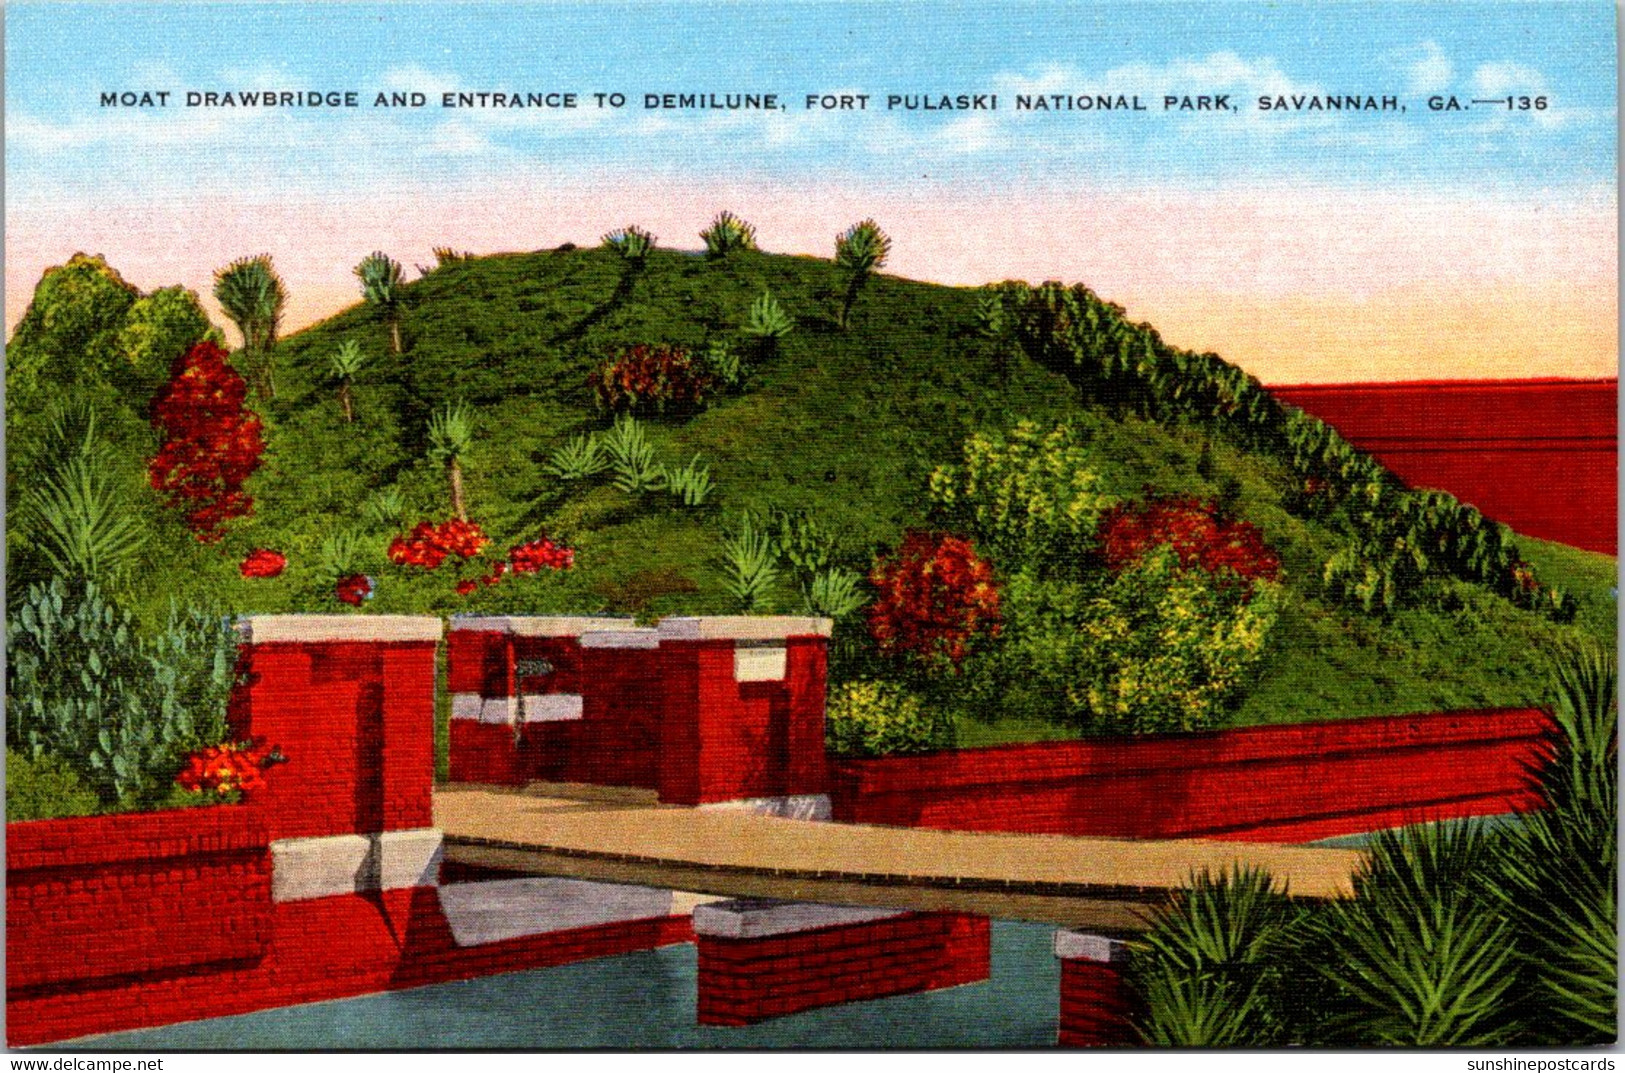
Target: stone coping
x,y
1073,945
758,918
623,638
743,628
271,629
538,625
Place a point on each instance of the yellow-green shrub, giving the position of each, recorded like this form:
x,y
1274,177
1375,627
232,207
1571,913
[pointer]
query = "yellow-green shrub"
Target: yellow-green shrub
x,y
877,718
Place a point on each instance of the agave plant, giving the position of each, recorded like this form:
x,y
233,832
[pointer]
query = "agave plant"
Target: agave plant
x,y
451,435
632,457
1210,969
632,242
835,592
1558,874
860,249
345,363
252,295
691,484
381,282
579,459
749,564
726,234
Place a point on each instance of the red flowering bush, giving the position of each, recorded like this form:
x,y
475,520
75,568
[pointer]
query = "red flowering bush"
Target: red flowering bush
x,y
648,378
263,562
428,544
936,596
540,555
1194,531
228,768
210,443
353,589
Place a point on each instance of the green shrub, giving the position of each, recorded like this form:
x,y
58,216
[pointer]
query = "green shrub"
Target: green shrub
x,y
123,710
1030,496
879,718
45,788
835,593
632,456
690,484
1157,648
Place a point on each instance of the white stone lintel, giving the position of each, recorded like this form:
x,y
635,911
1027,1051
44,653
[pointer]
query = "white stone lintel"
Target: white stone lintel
x,y
1071,945
814,807
754,663
552,707
743,628
538,625
641,638
304,868
315,629
753,918
502,710
466,705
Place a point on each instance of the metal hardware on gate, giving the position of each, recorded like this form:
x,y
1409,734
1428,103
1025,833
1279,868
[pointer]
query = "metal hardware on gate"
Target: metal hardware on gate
x,y
532,668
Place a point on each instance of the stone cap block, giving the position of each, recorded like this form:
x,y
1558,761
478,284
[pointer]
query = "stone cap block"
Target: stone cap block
x,y
640,638
743,628
538,625
758,918
1072,945
313,629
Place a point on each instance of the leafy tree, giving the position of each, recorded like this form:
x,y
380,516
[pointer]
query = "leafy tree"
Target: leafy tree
x,y
253,296
380,277
451,435
70,331
347,361
159,328
861,249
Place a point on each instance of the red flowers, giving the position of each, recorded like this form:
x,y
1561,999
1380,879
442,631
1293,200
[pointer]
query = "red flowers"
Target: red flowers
x,y
648,378
1195,532
539,555
354,589
936,596
210,442
223,769
427,545
263,562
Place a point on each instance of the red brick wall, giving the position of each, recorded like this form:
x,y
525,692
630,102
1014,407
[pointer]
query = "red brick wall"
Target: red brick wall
x,y
1281,783
1096,1005
104,896
355,720
742,981
1539,455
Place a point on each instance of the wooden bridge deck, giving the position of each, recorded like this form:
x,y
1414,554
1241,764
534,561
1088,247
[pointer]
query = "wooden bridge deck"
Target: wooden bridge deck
x,y
1109,884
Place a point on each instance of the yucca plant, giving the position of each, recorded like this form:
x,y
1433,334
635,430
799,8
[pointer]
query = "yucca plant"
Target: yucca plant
x,y
252,295
768,320
749,564
1211,970
1558,874
860,249
385,508
345,363
340,555
691,484
726,234
451,436
83,519
1421,956
806,543
632,456
578,459
835,592
381,284
632,242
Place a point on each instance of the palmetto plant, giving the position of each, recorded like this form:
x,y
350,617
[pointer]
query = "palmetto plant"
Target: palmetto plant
x,y
632,242
252,295
749,564
691,484
83,519
860,249
722,362
1210,968
344,364
1558,875
632,456
578,459
381,283
726,234
451,435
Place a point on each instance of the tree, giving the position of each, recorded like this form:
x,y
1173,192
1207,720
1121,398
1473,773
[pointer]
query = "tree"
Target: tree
x,y
252,295
451,434
158,329
69,333
860,250
210,443
380,277
346,362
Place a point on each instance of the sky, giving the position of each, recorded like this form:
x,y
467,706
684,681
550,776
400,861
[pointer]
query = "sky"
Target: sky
x,y
1306,246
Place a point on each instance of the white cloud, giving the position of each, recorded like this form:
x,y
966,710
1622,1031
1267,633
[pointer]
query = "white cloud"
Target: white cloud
x,y
1499,79
1433,72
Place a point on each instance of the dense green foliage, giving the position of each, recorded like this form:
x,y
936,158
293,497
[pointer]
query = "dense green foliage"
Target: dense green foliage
x,y
845,427
45,789
880,719
122,708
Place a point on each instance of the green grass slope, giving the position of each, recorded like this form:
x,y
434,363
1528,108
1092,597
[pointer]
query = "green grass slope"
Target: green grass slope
x,y
847,425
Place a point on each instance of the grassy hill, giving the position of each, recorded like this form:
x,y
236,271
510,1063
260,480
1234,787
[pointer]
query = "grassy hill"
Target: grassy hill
x,y
846,425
